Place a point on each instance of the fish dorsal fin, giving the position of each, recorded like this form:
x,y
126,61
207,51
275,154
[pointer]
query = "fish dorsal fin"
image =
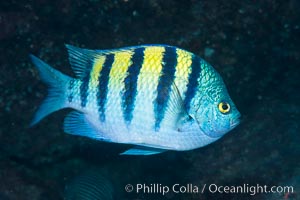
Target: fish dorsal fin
x,y
81,60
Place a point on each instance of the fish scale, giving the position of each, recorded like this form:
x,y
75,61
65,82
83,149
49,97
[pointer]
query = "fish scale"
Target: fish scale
x,y
147,84
131,79
157,97
166,79
103,78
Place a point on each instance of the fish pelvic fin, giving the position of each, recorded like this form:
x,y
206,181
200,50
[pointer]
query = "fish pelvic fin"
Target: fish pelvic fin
x,y
144,151
57,86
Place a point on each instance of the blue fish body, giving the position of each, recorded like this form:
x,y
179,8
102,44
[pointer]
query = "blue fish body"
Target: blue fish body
x,y
156,97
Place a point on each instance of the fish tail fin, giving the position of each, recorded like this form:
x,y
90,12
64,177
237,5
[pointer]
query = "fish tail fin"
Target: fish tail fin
x,y
57,85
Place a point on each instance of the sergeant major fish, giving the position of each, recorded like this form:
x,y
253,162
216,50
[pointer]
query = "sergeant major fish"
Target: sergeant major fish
x,y
156,97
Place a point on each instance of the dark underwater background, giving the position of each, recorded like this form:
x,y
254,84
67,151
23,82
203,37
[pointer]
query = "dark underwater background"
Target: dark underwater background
x,y
253,44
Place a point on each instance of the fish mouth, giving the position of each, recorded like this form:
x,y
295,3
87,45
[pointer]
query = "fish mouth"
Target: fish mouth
x,y
235,121
233,125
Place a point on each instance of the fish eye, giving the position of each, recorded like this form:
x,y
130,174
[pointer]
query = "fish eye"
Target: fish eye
x,y
224,107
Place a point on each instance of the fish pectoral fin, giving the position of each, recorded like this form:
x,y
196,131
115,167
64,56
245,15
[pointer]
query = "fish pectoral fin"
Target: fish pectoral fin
x,y
188,126
76,124
140,150
175,111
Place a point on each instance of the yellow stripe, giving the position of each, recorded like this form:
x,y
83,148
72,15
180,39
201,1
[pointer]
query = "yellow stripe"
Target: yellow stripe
x,y
151,67
119,68
183,69
97,67
147,83
94,81
116,85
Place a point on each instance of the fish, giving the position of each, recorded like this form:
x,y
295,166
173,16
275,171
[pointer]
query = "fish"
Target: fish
x,y
90,185
155,97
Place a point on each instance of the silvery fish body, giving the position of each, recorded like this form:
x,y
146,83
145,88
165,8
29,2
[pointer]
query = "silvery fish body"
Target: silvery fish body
x,y
157,97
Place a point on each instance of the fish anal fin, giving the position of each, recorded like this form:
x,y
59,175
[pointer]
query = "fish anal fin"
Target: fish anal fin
x,y
76,123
